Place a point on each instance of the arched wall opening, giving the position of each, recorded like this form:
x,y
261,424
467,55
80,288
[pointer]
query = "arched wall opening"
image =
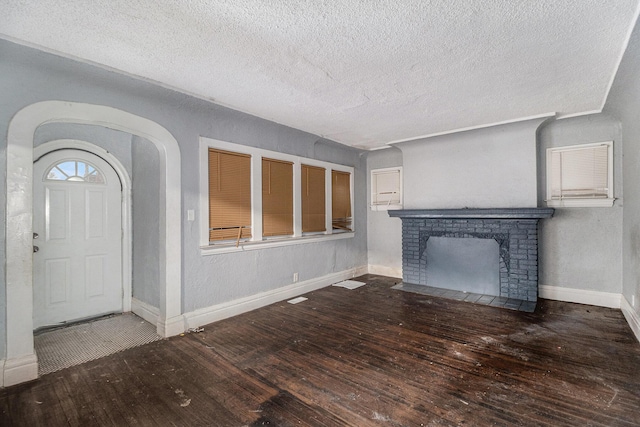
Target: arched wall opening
x,y
21,362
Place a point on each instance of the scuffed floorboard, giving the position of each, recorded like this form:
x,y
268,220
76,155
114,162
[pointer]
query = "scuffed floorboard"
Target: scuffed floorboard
x,y
368,356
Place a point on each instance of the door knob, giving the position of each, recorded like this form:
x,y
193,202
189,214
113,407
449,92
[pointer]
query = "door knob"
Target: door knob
x,y
35,235
36,249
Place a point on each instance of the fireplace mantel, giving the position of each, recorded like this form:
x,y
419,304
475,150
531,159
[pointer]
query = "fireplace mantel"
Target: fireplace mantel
x,y
494,213
515,230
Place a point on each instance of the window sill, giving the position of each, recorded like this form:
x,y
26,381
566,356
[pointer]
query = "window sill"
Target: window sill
x,y
272,243
394,207
580,203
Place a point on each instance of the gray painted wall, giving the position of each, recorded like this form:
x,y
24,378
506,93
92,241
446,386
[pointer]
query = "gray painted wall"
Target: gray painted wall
x,y
384,234
145,195
28,76
115,142
624,104
581,248
484,168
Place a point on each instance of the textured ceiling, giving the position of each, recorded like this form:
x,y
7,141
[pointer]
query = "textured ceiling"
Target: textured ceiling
x,y
363,73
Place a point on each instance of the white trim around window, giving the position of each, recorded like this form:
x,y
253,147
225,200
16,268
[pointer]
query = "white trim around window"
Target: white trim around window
x,y
257,241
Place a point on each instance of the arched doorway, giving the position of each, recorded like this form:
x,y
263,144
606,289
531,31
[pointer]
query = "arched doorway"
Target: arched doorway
x,y
21,362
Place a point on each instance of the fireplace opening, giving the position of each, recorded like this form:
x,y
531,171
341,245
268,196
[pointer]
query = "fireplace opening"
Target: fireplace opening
x,y
463,264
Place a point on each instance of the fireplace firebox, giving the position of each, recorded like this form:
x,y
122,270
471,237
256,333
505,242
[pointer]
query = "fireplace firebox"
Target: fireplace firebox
x,y
514,229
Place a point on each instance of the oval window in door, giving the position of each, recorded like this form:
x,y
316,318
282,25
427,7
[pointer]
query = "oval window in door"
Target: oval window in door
x,y
75,170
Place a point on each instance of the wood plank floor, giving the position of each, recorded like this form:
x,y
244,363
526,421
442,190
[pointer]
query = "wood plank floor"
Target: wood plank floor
x,y
369,356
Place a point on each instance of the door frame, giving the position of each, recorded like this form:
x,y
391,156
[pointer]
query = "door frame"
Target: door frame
x,y
21,363
125,202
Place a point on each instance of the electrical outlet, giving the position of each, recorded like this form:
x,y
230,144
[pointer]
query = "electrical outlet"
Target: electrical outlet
x,y
295,277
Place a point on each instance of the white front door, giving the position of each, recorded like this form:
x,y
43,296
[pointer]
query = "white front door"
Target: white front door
x,y
77,224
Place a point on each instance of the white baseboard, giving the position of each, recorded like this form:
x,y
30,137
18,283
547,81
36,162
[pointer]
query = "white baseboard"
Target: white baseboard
x,y
217,312
178,324
171,327
385,271
19,370
164,328
148,312
631,315
580,296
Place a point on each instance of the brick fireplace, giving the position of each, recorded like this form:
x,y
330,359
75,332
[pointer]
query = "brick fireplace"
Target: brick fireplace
x,y
514,229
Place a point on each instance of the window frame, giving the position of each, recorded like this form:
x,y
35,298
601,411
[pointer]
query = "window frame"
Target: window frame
x,y
240,235
324,171
258,241
581,201
277,232
347,220
388,206
99,175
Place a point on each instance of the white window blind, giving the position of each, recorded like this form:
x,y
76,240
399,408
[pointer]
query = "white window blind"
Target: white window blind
x,y
386,188
580,172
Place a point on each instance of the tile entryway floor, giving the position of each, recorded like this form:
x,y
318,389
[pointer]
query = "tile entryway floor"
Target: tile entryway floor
x,y
79,343
494,301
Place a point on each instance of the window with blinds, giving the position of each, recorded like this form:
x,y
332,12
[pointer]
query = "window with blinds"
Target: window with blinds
x,y
341,200
277,197
229,195
295,199
580,175
386,188
313,199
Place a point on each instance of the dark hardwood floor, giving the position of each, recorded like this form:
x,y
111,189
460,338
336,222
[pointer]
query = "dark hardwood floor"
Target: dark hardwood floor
x,y
369,356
